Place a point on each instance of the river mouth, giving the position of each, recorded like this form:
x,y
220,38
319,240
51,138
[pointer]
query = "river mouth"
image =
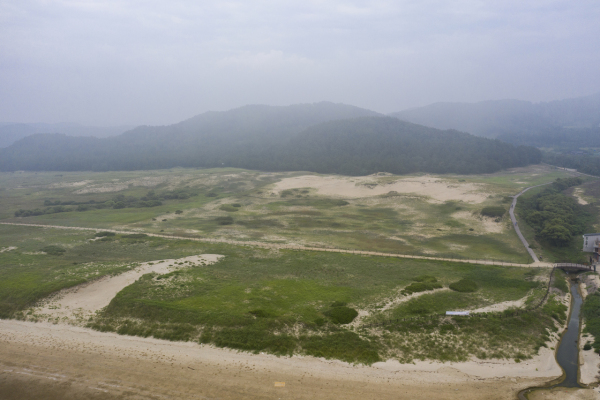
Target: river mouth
x,y
567,354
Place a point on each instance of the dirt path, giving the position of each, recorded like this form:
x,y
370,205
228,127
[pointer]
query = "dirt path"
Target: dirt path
x,y
42,360
511,211
291,247
75,305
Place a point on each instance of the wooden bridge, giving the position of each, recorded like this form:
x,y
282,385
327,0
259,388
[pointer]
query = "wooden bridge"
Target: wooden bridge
x,y
569,267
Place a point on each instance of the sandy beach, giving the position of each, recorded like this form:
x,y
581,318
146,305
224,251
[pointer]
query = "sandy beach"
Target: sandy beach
x,y
43,360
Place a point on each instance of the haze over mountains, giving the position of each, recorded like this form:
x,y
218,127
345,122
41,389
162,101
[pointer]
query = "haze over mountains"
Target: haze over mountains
x,y
320,137
11,132
507,117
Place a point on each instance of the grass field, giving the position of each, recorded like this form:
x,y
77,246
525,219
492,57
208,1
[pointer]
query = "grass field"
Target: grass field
x,y
284,301
256,299
442,220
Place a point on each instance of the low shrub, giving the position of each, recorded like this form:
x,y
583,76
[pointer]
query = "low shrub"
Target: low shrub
x,y
345,346
493,211
464,286
421,287
135,236
104,234
224,220
425,278
228,208
53,250
341,315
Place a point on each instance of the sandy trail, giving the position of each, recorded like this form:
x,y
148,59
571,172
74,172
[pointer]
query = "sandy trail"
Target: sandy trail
x,y
79,303
435,188
279,246
505,305
42,360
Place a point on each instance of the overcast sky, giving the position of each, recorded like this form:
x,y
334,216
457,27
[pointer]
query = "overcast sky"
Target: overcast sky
x,y
159,62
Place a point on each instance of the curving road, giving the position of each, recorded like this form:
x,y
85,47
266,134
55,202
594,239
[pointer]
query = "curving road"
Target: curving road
x,y
511,211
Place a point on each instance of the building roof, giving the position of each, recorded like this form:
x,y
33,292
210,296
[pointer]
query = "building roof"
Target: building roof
x,y
592,234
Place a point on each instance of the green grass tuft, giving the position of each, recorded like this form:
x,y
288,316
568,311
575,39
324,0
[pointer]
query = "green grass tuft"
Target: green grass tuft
x,y
464,286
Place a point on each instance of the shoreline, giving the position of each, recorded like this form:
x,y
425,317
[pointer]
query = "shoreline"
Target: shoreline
x,y
85,362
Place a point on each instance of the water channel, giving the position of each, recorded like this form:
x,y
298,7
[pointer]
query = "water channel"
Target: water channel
x,y
567,354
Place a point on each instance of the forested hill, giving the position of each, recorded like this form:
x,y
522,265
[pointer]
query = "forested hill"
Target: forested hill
x,y
367,145
352,146
501,117
559,139
10,133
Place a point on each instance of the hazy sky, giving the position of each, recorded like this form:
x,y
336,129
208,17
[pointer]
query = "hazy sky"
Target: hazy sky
x,y
159,62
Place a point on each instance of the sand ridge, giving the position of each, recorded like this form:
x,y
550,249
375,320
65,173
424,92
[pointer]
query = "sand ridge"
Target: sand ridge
x,y
434,188
77,304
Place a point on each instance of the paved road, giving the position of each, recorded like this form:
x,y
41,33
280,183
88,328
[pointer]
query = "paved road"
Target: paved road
x,y
516,224
290,247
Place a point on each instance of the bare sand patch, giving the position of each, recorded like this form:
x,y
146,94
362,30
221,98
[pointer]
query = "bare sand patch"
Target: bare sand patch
x,y
505,305
69,184
564,394
77,304
3,249
148,181
488,224
62,356
578,193
436,189
589,361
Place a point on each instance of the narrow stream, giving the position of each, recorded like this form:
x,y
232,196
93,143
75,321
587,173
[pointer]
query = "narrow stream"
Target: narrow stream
x,y
567,354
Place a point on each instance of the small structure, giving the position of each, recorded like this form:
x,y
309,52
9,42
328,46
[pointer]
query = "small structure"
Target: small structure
x,y
591,244
465,313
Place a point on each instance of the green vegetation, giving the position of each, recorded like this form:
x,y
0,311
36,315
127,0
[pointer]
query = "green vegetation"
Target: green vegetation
x,y
105,234
358,146
464,286
422,284
588,164
224,220
498,335
556,219
399,223
555,216
591,313
53,250
41,266
341,314
283,302
117,202
493,211
559,281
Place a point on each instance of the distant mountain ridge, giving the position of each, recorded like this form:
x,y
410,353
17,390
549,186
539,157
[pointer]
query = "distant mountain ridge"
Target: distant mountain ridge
x,y
11,132
320,137
502,117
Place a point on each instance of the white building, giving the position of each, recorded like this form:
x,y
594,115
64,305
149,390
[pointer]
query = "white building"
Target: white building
x,y
591,244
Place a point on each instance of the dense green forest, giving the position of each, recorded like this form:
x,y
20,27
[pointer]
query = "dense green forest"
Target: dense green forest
x,y
555,217
356,146
583,163
558,139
